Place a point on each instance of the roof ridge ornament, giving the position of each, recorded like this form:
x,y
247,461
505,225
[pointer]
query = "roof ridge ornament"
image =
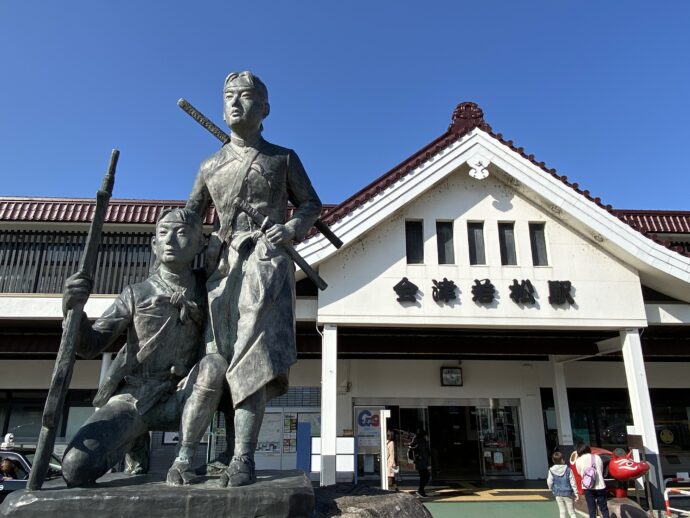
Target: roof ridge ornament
x,y
466,117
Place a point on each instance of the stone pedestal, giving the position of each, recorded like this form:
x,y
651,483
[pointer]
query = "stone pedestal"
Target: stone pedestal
x,y
275,494
359,501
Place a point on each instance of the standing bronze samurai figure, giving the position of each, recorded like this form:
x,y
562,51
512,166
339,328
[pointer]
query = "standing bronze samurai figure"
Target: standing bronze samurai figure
x,y
250,329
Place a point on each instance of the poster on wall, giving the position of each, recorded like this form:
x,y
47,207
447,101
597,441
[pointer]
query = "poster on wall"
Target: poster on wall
x,y
271,434
314,420
368,429
171,437
290,432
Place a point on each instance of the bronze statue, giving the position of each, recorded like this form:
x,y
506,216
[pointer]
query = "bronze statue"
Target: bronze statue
x,y
251,289
162,364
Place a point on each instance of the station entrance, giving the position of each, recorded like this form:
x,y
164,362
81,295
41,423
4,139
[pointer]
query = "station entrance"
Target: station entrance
x,y
469,440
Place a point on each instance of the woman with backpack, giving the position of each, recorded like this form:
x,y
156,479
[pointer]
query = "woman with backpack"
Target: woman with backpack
x,y
591,470
561,482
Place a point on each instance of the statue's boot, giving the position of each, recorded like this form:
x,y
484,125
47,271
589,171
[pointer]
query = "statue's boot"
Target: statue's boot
x,y
216,466
240,472
138,458
196,416
180,473
220,463
249,415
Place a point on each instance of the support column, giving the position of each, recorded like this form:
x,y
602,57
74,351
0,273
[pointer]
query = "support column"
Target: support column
x,y
383,466
560,399
105,365
641,406
329,398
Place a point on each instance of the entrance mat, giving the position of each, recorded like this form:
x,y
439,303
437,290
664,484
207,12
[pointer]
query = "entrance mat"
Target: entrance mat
x,y
492,510
469,493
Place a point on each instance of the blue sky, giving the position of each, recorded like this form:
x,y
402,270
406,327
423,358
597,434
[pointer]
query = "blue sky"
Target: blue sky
x,y
598,90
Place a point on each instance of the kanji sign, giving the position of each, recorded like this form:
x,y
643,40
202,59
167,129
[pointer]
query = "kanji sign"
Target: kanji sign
x,y
406,290
522,292
559,292
483,291
443,290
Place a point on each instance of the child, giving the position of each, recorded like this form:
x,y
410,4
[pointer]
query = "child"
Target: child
x,y
561,482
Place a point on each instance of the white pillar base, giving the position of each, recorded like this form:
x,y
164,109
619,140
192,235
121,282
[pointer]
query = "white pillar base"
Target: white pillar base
x,y
329,403
560,399
641,406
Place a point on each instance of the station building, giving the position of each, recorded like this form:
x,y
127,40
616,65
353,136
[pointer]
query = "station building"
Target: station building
x,y
478,294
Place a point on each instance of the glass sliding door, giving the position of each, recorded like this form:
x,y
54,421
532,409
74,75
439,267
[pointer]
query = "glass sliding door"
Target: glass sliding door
x,y
409,421
454,443
499,439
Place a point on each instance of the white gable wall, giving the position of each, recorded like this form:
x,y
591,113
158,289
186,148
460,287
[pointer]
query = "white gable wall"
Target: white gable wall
x,y
362,275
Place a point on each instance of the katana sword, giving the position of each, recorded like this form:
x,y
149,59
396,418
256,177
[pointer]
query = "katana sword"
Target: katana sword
x,y
265,223
225,138
66,356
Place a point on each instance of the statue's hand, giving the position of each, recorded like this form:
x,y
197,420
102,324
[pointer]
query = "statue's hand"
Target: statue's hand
x,y
189,310
177,299
77,290
280,234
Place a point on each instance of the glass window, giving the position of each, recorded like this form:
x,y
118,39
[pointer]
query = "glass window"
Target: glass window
x,y
537,239
3,418
475,238
500,446
414,240
444,241
506,239
409,421
25,420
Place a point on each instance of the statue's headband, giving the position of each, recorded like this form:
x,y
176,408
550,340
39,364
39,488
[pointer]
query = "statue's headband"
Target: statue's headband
x,y
246,80
179,215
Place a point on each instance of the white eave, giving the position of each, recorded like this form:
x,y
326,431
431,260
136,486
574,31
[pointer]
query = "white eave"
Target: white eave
x,y
659,267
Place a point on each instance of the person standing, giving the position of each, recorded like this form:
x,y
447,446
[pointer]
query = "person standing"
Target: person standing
x,y
595,495
390,459
420,449
561,482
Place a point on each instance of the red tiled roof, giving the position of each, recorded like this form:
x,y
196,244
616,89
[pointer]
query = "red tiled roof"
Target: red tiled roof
x,y
653,222
80,210
656,221
466,117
